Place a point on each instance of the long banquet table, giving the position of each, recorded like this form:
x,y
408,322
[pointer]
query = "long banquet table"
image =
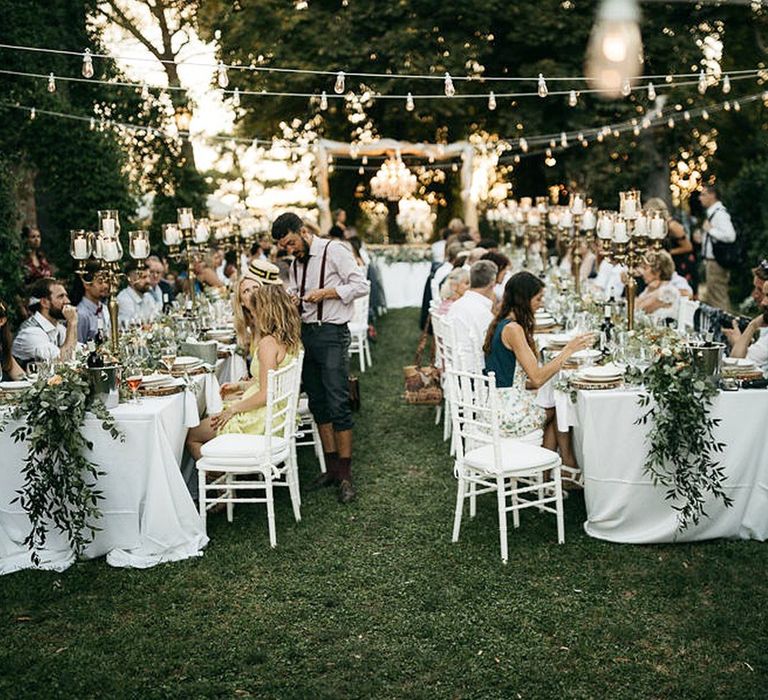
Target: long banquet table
x,y
403,282
623,505
148,515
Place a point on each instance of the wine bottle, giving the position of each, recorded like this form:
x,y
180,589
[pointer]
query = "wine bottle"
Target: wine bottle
x,y
606,327
94,359
101,336
166,303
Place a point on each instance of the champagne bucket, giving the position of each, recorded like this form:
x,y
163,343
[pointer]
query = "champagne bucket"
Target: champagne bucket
x,y
105,382
707,358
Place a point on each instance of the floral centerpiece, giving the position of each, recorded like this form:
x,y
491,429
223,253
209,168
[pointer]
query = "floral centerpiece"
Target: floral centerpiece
x,y
60,482
401,253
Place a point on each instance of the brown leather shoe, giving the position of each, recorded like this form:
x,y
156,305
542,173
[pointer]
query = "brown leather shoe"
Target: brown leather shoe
x,y
323,482
347,492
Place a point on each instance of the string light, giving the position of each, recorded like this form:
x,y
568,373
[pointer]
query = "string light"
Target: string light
x,y
338,86
87,64
687,115
737,107
636,131
92,124
726,85
705,115
222,77
523,144
32,114
51,83
409,104
702,83
324,101
491,101
563,140
626,87
671,123
727,106
144,91
542,87
449,89
236,98
361,170
651,92
573,99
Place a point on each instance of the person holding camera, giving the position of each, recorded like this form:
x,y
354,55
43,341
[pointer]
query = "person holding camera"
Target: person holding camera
x,y
741,342
718,231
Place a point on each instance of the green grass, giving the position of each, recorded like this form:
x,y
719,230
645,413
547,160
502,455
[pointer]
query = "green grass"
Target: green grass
x,y
373,599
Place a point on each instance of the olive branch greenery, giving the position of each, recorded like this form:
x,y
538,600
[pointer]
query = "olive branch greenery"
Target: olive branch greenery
x,y
59,480
683,449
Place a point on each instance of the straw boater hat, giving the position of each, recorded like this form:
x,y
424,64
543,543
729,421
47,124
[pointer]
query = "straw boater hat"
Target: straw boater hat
x,y
264,271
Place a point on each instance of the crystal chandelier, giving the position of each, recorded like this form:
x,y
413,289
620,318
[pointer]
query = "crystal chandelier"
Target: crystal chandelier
x,y
393,181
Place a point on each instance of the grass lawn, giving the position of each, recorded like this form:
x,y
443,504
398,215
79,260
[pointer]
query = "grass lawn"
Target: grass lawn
x,y
373,599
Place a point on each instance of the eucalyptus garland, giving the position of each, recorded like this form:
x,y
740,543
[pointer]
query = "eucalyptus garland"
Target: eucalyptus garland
x,y
683,448
59,481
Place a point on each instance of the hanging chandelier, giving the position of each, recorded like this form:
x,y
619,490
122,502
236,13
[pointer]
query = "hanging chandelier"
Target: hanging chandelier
x,y
393,181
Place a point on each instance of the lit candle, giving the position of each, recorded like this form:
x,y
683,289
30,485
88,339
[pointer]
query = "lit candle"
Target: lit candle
x,y
658,228
578,205
110,250
641,226
81,248
566,219
99,248
630,208
108,226
525,203
140,248
534,218
185,220
201,233
589,221
620,232
605,227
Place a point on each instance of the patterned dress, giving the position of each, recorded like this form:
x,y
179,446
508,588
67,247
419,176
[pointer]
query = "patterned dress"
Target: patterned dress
x,y
520,414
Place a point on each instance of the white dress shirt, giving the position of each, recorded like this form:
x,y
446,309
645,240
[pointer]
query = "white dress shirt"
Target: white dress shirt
x,y
721,228
609,279
758,351
38,339
135,305
471,315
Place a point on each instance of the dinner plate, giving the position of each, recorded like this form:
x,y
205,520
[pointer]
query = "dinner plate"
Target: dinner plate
x,y
606,372
156,379
187,361
560,338
15,386
586,354
740,362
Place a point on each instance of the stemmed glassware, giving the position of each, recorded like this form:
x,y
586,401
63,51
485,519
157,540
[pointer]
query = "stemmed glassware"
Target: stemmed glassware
x,y
168,354
133,379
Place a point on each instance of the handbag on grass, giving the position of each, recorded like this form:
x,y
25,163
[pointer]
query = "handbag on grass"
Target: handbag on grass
x,y
354,393
422,382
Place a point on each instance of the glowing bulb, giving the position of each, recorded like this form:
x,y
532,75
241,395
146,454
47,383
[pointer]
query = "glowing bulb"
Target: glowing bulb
x,y
144,92
737,106
338,86
92,124
223,78
542,89
687,115
600,137
646,123
324,101
615,47
726,85
450,90
563,140
704,114
361,170
365,160
651,92
87,64
626,87
409,104
636,131
702,83
573,99
32,114
516,159
491,101
671,123
552,143
523,144
727,106
51,83
580,136
236,98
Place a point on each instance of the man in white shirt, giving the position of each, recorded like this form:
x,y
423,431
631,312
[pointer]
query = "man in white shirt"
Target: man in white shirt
x,y
740,342
473,312
135,301
43,337
717,227
608,279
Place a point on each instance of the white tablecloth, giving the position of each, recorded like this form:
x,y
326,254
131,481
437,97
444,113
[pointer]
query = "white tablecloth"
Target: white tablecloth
x,y
148,516
403,282
622,503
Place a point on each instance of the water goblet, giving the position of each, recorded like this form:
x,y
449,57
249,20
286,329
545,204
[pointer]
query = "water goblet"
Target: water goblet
x,y
133,379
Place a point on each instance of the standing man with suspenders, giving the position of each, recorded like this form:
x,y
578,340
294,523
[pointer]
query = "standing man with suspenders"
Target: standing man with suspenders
x,y
325,280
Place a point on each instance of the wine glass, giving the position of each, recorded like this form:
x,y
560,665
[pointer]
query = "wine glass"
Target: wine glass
x,y
168,354
133,379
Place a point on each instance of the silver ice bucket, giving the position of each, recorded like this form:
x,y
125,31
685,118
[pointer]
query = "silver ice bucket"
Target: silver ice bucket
x,y
707,357
105,382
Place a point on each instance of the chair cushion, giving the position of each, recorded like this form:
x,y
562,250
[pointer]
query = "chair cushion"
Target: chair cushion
x,y
239,447
358,328
516,456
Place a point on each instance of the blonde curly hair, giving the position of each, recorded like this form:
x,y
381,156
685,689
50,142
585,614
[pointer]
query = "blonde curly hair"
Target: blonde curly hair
x,y
240,316
275,314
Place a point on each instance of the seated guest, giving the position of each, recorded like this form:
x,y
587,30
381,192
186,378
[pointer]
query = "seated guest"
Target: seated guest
x,y
92,312
681,285
245,330
741,343
135,301
438,247
472,314
36,265
158,287
505,270
660,299
43,336
586,266
9,368
453,289
451,253
510,352
609,279
204,268
278,328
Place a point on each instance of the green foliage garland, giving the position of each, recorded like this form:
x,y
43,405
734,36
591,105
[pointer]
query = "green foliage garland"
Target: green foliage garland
x,y
59,481
683,448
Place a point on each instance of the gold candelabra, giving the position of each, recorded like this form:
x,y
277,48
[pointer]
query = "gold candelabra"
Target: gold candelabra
x,y
185,240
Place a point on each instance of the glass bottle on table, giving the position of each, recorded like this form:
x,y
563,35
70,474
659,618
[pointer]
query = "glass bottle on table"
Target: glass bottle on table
x,y
94,360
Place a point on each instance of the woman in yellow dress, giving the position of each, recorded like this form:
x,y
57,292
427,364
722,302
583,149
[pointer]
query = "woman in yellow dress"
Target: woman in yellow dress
x,y
276,321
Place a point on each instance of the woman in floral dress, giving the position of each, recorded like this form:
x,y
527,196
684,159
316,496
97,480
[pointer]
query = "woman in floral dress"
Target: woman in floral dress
x,y
510,353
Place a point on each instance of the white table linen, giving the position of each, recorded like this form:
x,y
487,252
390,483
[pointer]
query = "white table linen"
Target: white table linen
x,y
403,282
622,503
148,515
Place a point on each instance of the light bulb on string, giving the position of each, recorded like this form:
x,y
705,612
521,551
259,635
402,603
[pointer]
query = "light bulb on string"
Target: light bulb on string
x,y
338,86
671,123
616,133
409,104
491,101
615,49
454,167
737,106
222,77
636,131
651,92
704,114
646,123
580,136
542,87
573,98
365,160
726,85
361,170
449,89
687,115
727,106
87,64
92,124
702,83
552,143
144,91
563,140
626,87
236,98
51,83
324,101
32,114
600,137
523,144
